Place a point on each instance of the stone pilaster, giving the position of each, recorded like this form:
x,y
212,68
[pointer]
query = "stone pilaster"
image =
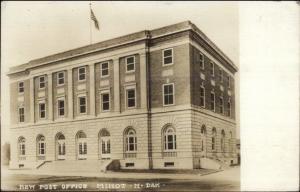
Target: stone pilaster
x,y
116,84
50,96
32,108
70,94
143,80
92,90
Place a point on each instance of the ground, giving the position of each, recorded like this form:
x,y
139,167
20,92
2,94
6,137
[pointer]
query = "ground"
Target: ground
x,y
226,180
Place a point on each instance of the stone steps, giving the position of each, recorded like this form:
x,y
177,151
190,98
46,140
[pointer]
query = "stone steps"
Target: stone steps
x,y
74,166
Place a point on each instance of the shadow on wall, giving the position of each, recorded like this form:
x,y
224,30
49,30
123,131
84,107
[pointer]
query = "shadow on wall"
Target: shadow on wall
x,y
5,154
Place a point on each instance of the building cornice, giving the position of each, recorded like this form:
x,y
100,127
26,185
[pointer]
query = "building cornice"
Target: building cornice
x,y
121,41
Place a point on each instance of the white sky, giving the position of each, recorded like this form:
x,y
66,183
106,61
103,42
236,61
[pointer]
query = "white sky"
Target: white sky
x,y
32,30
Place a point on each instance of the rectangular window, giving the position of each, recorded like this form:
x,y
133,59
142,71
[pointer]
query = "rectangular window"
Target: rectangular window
x,y
221,105
130,93
212,69
169,164
168,94
21,87
221,75
82,104
202,96
21,114
213,143
229,108
60,78
81,74
228,81
105,101
168,57
130,64
104,69
42,110
42,82
212,101
41,148
22,149
129,164
61,107
201,60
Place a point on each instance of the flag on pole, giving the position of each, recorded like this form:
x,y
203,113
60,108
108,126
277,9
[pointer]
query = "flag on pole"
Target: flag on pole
x,y
93,17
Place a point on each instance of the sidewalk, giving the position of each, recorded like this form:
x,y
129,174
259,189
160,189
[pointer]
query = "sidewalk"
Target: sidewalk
x,y
193,175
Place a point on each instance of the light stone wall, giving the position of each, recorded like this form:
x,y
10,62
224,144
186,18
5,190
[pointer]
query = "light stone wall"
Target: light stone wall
x,y
198,120
91,128
181,122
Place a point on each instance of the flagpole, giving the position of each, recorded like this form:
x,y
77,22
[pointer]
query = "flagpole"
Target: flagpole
x,y
91,34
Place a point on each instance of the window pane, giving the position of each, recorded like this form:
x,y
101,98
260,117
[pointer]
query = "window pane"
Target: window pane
x,y
131,93
85,148
82,109
61,112
21,87
130,67
61,104
104,69
104,65
166,90
130,60
168,52
82,100
104,72
131,98
60,75
168,60
131,140
171,99
105,106
81,70
166,100
61,81
105,97
81,73
131,147
64,149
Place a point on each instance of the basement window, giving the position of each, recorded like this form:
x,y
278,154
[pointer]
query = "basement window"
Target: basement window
x,y
129,164
169,164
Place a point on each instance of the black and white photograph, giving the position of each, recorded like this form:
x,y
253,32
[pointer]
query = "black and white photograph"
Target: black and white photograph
x,y
129,96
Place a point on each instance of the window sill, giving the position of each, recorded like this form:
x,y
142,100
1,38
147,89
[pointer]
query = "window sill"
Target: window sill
x,y
104,77
60,85
166,65
82,81
168,105
129,72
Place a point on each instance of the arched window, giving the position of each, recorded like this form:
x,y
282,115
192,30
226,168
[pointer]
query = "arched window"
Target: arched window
x,y
81,145
169,139
230,142
104,143
61,146
203,137
21,142
41,145
213,139
131,140
223,141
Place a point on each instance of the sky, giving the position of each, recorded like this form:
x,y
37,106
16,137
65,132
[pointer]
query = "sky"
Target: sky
x,y
31,30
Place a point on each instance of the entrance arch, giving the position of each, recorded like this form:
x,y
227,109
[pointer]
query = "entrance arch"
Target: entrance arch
x,y
104,144
60,142
81,143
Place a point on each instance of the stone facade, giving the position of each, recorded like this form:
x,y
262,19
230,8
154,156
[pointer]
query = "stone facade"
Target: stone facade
x,y
149,135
